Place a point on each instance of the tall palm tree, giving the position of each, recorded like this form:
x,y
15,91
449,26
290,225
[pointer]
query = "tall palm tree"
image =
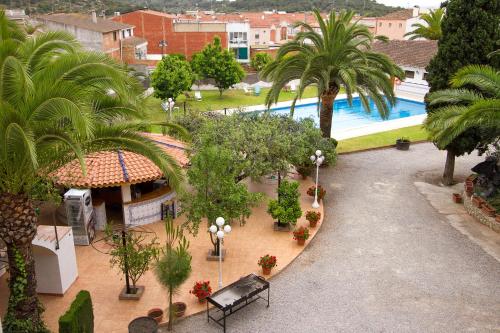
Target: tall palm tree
x,y
57,103
337,56
473,102
431,29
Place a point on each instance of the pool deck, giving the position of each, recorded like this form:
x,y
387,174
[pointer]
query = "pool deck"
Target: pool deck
x,y
349,132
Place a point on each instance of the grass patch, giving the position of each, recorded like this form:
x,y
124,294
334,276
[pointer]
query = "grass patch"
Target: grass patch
x,y
233,98
415,133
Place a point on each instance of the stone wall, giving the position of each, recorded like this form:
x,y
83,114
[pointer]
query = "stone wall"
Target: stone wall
x,y
479,215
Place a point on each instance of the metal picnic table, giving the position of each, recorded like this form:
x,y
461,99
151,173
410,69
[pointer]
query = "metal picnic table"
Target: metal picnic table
x,y
236,296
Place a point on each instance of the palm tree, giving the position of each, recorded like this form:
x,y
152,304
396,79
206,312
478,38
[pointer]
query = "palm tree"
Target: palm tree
x,y
337,56
473,102
57,103
432,29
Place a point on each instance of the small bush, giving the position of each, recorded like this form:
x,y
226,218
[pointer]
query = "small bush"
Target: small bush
x,y
80,316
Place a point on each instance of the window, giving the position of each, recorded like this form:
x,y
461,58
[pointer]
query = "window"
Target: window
x,y
400,25
114,35
390,25
257,36
410,74
425,75
380,24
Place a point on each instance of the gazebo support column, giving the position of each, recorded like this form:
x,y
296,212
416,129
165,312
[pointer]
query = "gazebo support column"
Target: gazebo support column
x,y
126,197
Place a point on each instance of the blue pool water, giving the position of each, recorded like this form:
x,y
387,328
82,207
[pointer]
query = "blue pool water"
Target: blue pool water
x,y
345,116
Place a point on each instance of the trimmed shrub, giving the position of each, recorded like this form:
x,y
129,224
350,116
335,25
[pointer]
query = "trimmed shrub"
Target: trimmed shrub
x,y
80,316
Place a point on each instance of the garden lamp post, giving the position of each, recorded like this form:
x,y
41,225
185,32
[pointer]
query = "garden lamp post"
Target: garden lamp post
x,y
220,230
163,44
317,159
171,104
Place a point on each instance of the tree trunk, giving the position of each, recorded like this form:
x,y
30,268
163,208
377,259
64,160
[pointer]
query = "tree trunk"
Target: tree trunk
x,y
326,112
449,168
170,310
17,230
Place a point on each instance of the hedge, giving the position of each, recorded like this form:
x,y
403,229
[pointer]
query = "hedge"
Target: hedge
x,y
80,316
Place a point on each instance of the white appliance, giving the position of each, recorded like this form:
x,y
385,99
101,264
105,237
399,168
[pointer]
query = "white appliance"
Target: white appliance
x,y
80,215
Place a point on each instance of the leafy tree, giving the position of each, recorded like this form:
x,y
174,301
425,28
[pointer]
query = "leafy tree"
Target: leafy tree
x,y
172,76
286,209
217,63
306,141
260,60
432,28
174,266
55,108
470,31
338,56
134,257
215,193
473,102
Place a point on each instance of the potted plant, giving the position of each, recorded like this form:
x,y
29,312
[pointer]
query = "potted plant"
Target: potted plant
x,y
321,192
156,314
201,290
313,218
132,253
301,235
477,201
403,143
174,265
267,262
457,198
179,309
287,208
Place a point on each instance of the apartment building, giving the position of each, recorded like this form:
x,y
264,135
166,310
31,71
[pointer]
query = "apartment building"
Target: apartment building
x,y
395,25
168,33
93,32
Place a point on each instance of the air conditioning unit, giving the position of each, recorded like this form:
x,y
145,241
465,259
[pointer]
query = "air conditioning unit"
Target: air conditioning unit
x,y
80,215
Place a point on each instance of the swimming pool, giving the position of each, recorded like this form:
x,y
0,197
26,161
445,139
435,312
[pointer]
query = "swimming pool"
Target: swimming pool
x,y
346,117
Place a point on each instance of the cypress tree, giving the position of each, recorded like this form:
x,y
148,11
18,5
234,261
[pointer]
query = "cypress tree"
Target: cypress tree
x,y
471,30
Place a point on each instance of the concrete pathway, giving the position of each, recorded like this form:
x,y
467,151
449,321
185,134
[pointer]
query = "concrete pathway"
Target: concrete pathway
x,y
385,260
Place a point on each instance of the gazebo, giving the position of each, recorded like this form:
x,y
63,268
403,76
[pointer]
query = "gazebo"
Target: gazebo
x,y
126,187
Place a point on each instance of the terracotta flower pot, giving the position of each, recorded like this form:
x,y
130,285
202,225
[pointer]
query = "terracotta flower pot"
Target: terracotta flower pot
x,y
301,241
457,198
156,314
179,309
313,224
488,210
266,270
477,201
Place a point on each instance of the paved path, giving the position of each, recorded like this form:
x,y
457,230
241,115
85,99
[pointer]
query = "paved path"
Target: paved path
x,y
385,260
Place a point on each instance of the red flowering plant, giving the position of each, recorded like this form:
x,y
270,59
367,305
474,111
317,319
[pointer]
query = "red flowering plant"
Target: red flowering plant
x,y
201,289
321,192
313,216
301,233
267,261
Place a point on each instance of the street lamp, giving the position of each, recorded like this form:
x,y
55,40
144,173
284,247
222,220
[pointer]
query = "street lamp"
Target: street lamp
x,y
220,230
163,44
318,160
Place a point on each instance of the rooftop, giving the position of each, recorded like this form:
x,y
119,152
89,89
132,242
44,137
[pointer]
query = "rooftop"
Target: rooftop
x,y
85,22
404,14
114,168
413,53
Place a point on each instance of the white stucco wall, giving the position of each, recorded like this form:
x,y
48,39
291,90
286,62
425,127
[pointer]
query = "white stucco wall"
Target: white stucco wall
x,y
91,40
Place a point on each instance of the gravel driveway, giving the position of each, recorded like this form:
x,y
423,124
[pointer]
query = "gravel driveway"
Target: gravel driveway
x,y
384,261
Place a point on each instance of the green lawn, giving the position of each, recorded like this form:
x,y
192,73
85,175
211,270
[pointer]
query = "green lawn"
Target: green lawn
x,y
212,101
415,133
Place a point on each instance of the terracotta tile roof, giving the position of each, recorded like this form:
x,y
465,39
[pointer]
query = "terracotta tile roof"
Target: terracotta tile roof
x,y
404,14
85,22
114,168
413,53
133,41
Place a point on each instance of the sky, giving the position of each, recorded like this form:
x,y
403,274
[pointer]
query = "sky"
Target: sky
x,y
411,3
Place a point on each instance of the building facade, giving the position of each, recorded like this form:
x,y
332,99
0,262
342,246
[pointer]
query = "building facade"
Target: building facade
x,y
94,33
395,25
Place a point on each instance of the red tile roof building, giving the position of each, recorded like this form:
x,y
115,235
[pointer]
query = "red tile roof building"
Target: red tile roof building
x,y
115,168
